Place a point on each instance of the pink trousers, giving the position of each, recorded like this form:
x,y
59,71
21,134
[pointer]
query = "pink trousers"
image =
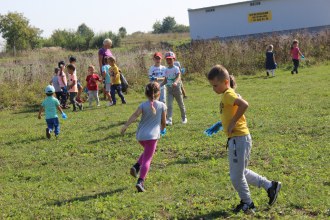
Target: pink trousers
x,y
146,157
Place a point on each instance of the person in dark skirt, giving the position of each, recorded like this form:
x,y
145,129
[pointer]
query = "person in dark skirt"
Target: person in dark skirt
x,y
270,61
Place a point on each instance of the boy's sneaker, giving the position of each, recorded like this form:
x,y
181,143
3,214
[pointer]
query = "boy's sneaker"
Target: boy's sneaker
x,y
110,103
48,133
168,122
140,186
80,107
124,102
245,208
184,121
292,72
273,192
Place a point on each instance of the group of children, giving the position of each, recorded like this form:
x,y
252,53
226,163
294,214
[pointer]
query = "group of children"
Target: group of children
x,y
156,112
295,53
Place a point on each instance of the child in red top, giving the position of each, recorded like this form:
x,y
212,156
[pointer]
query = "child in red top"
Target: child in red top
x,y
295,54
92,79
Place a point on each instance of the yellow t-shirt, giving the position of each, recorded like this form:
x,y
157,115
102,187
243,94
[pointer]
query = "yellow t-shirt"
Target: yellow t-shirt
x,y
228,110
115,75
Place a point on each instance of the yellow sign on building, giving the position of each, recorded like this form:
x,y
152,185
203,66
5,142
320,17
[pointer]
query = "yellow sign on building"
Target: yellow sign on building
x,y
260,16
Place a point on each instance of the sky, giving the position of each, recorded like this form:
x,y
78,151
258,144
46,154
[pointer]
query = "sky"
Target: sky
x,y
103,15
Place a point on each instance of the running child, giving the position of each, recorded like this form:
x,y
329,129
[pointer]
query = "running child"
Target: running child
x,y
92,80
295,55
107,79
50,105
232,110
115,81
156,73
270,61
173,87
152,122
73,88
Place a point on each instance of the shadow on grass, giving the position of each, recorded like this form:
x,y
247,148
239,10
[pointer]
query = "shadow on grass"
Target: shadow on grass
x,y
211,215
111,125
112,136
25,141
27,109
86,198
197,159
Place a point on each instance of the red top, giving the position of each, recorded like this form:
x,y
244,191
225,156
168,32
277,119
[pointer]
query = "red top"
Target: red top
x,y
92,81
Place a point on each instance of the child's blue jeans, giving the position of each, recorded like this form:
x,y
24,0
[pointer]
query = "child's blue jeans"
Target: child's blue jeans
x,y
53,123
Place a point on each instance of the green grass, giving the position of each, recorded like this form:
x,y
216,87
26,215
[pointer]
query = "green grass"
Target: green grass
x,y
85,173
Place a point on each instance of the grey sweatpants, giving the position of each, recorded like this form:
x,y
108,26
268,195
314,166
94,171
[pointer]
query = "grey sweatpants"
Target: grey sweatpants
x,y
239,155
93,94
174,92
73,100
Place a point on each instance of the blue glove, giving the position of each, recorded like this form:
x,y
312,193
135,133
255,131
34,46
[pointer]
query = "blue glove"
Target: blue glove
x,y
183,70
152,78
163,132
213,129
302,57
64,116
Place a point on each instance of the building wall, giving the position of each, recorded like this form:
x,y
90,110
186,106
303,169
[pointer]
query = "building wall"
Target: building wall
x,y
233,19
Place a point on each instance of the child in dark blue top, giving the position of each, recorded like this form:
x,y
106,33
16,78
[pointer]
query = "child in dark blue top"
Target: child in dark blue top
x,y
270,61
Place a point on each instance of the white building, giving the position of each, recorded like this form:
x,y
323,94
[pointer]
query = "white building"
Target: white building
x,y
254,17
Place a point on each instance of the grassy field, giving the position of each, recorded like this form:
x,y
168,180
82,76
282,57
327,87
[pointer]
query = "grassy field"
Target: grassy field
x,y
85,173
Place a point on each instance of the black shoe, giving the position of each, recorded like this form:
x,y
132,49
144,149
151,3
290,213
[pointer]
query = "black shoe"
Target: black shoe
x,y
273,192
296,71
292,72
245,208
124,102
140,185
267,73
48,133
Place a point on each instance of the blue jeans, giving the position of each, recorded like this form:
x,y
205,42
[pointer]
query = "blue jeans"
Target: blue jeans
x,y
53,123
117,88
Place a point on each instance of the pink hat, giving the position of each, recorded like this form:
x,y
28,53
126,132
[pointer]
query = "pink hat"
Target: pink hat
x,y
170,54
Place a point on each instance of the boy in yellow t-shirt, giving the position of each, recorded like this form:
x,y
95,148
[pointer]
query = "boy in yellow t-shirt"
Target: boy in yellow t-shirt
x,y
115,81
232,110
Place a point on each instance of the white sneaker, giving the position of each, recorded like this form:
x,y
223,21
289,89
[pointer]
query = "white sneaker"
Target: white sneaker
x,y
110,103
184,121
98,105
168,122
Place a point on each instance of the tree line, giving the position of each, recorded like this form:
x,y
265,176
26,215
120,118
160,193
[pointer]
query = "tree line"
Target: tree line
x,y
21,35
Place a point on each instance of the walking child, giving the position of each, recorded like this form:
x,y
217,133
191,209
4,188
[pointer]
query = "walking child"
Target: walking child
x,y
295,55
156,73
54,82
232,109
73,88
107,79
92,80
178,64
173,87
115,81
153,121
73,60
270,61
50,105
62,80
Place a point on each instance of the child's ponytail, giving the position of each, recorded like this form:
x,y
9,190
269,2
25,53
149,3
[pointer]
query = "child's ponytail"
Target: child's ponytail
x,y
152,92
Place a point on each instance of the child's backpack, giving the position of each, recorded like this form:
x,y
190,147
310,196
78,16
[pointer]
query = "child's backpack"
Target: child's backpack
x,y
124,83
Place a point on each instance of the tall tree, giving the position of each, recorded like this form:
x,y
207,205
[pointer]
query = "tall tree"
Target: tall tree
x,y
85,34
168,24
18,33
122,32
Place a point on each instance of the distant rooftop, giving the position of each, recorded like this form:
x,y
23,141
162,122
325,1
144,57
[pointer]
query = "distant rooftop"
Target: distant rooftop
x,y
224,5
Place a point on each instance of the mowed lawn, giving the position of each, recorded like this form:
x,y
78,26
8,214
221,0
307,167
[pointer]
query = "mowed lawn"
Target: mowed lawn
x,y
85,172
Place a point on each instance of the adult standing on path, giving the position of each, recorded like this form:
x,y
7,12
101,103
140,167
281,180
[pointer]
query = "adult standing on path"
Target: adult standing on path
x,y
104,52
